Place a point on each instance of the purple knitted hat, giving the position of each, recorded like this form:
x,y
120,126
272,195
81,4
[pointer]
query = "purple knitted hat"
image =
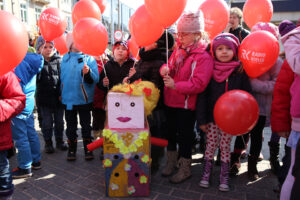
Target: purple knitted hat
x,y
227,39
286,26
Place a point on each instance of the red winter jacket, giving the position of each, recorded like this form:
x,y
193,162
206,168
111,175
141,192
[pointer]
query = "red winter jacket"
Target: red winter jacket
x,y
280,111
12,102
99,94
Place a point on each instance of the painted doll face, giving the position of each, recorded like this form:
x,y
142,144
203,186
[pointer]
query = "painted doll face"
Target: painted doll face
x,y
125,111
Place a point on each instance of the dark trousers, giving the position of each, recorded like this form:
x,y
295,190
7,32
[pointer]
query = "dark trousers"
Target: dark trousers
x,y
180,129
5,175
99,116
52,116
286,163
84,112
256,135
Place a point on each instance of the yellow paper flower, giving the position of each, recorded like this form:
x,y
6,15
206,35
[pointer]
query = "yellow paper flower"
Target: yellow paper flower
x,y
107,163
143,135
114,138
132,148
119,144
145,158
124,150
143,179
138,143
106,133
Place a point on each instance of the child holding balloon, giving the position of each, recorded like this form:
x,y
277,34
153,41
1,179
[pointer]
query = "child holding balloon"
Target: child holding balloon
x,y
79,75
189,72
227,75
262,87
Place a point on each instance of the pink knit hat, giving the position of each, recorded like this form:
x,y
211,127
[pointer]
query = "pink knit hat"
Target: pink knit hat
x,y
226,39
191,22
262,26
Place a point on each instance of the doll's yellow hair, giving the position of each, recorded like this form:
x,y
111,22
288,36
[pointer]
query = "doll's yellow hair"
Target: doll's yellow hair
x,y
139,88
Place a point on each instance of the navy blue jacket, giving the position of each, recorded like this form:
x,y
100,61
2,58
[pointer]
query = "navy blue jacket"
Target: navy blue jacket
x,y
206,101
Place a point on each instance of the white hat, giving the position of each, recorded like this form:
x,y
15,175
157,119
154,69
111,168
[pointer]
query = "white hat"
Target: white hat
x,y
191,22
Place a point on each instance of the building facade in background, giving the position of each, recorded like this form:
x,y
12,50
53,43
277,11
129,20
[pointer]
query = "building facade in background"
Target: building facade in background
x,y
115,17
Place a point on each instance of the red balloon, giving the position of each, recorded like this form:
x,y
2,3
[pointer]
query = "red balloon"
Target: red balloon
x,y
257,11
61,45
102,4
90,36
216,16
236,112
165,12
133,48
144,29
258,53
52,23
85,8
13,40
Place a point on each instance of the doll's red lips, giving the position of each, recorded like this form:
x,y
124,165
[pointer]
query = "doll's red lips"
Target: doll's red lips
x,y
124,119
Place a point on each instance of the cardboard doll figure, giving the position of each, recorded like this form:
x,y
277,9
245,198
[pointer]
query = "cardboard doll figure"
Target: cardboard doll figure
x,y
126,139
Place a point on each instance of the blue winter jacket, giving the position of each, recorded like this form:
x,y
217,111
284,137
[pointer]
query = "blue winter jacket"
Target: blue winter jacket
x,y
76,89
26,71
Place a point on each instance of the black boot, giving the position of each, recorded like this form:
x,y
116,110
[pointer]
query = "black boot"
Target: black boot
x,y
61,145
88,154
235,164
49,146
72,150
252,168
274,155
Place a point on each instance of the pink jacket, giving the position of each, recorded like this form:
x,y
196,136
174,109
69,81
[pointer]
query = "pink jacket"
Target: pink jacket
x,y
191,79
291,43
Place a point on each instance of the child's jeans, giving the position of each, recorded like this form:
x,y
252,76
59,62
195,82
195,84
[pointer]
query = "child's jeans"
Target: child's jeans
x,y
26,141
5,176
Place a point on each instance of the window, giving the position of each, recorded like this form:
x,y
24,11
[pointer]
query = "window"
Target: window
x,y
1,5
24,16
38,12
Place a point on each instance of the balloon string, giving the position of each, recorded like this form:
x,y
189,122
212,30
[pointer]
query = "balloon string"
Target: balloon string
x,y
135,60
104,70
167,49
103,66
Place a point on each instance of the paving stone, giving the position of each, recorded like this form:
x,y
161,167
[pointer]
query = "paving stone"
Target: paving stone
x,y
185,194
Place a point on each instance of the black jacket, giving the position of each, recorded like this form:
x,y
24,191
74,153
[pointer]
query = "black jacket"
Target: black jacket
x,y
115,73
206,101
148,69
48,83
240,33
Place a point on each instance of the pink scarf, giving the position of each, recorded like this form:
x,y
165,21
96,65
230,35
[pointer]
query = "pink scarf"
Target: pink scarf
x,y
223,70
182,53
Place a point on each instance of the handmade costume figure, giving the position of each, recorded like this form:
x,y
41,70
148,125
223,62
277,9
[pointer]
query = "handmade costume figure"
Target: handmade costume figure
x,y
126,139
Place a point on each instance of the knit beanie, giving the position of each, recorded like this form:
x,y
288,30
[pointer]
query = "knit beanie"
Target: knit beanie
x,y
40,42
262,26
161,42
226,39
286,26
191,22
122,43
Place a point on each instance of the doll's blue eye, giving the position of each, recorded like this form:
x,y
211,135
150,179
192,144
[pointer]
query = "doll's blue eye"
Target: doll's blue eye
x,y
117,104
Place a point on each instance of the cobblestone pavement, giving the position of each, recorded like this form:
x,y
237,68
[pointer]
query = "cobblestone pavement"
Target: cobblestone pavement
x,y
59,179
